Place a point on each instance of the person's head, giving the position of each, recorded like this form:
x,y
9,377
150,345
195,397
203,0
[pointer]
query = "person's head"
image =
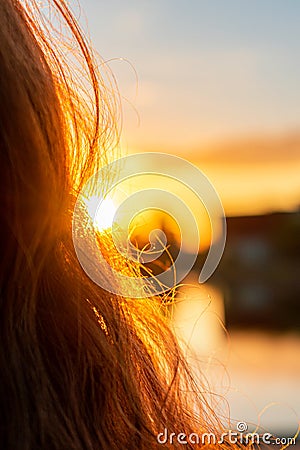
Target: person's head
x,y
79,368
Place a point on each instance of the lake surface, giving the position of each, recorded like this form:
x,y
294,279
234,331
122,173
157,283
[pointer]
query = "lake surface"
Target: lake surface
x,y
254,376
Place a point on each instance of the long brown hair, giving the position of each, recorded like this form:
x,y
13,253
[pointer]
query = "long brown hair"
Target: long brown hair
x,y
79,368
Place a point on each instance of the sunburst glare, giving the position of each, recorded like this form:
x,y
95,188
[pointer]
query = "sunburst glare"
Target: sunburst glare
x,y
102,211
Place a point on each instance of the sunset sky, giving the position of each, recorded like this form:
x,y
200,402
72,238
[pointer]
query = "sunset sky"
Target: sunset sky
x,y
216,82
212,81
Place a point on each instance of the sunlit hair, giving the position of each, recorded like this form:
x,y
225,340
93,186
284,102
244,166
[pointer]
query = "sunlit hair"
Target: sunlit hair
x,y
79,368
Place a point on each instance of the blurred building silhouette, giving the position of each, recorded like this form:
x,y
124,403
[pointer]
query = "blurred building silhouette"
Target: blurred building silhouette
x,y
259,273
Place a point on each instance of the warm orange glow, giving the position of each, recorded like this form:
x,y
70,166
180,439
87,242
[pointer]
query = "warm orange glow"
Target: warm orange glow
x,y
253,175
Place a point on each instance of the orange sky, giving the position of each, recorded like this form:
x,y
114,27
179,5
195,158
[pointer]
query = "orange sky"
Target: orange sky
x,y
216,83
252,175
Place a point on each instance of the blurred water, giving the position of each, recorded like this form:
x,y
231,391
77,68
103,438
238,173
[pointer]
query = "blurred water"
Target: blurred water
x,y
256,375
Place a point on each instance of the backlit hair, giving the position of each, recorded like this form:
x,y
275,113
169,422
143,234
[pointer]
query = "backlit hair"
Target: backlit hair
x,y
80,368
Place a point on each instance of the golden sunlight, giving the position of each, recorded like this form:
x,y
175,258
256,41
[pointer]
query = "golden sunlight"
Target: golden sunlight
x,y
102,212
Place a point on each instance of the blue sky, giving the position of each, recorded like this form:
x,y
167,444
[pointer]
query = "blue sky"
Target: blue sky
x,y
206,69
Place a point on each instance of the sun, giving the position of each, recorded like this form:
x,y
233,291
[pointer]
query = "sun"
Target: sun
x,y
102,211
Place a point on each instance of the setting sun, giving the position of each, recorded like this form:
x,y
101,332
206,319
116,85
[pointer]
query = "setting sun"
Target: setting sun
x,y
102,212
